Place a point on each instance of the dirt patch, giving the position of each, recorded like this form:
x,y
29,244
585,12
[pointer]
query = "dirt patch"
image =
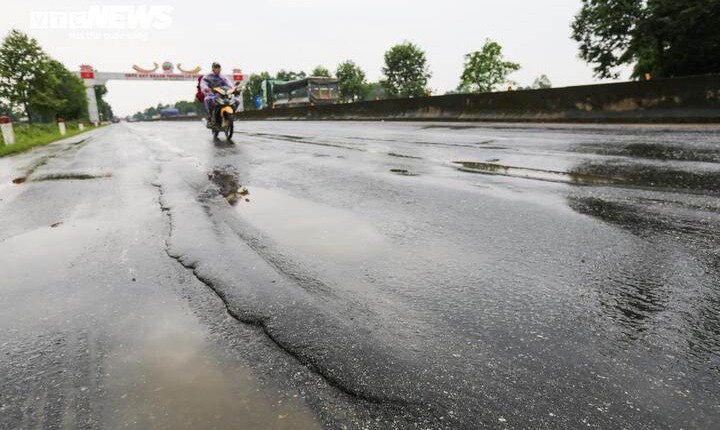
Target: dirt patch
x,y
229,186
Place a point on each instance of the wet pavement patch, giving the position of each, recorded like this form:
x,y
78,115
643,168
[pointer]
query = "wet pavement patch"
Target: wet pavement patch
x,y
449,127
300,139
79,142
617,213
69,177
654,151
228,186
643,217
649,281
536,174
653,176
607,173
403,172
281,136
223,144
393,154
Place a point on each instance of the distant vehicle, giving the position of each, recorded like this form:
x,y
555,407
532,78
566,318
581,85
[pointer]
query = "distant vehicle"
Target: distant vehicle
x,y
303,92
169,112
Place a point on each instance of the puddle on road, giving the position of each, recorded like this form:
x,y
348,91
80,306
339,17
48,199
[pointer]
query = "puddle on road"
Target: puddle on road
x,y
167,377
311,228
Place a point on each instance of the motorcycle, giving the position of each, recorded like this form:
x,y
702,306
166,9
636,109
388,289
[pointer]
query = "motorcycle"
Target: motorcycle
x,y
223,115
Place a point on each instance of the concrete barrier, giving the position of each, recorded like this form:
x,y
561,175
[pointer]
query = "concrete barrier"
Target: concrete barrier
x,y
689,99
6,127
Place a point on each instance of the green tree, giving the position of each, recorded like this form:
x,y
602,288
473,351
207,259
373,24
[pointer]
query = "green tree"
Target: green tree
x,y
375,91
484,70
661,37
21,61
253,88
352,81
58,93
5,110
152,111
104,109
542,82
321,72
33,83
186,107
284,75
406,71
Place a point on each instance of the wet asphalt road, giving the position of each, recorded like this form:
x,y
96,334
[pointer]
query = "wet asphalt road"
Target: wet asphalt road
x,y
363,275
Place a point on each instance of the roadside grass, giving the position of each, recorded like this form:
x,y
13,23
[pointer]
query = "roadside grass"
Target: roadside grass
x,y
29,136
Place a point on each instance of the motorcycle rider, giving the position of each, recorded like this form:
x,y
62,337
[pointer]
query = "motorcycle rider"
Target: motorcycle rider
x,y
210,81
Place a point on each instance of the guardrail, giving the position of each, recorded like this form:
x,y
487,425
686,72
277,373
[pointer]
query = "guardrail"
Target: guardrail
x,y
685,100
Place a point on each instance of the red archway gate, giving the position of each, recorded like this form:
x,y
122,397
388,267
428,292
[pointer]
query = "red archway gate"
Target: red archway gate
x,y
92,77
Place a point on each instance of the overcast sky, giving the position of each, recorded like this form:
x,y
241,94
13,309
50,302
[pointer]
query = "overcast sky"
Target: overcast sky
x,y
270,35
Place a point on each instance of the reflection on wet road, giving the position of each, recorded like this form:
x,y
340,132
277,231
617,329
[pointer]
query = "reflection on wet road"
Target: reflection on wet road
x,y
313,229
372,275
170,379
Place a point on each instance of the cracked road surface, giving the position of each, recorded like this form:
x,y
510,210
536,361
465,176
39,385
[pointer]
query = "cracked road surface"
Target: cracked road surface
x,y
363,275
